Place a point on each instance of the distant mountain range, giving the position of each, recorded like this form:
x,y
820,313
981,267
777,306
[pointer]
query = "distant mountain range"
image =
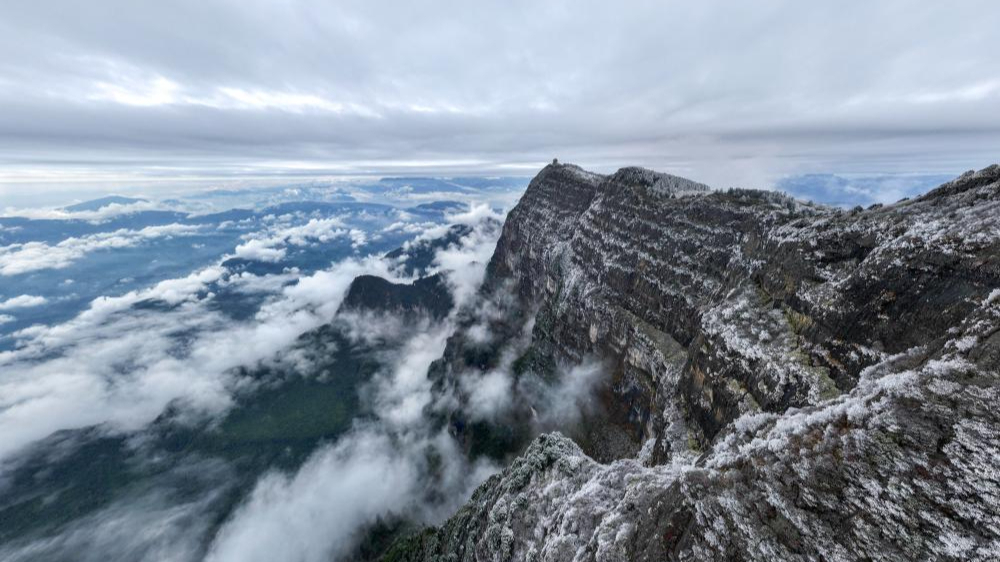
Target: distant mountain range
x,y
98,204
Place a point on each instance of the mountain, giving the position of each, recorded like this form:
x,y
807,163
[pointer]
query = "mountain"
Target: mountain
x,y
425,296
98,204
782,380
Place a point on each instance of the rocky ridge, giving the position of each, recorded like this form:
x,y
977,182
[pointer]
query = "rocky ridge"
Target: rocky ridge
x,y
783,380
428,296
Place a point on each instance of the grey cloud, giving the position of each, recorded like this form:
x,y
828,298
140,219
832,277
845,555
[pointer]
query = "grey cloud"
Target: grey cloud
x,y
732,94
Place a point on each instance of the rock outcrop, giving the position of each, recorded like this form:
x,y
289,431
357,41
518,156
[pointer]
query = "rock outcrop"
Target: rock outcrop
x,y
426,296
784,381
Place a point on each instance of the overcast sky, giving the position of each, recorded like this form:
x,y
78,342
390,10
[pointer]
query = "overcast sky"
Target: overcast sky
x,y
731,93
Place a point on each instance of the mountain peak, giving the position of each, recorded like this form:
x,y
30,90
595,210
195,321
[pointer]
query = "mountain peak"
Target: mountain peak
x,y
102,202
658,182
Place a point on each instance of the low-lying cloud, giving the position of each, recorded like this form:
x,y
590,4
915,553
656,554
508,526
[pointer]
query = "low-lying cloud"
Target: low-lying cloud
x,y
401,463
119,366
156,522
121,363
22,301
269,246
17,259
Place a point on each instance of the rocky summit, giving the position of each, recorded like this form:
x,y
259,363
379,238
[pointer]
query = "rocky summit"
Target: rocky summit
x,y
779,380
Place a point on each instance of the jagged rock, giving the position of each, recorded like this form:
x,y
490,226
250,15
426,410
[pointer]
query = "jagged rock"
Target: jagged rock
x,y
806,383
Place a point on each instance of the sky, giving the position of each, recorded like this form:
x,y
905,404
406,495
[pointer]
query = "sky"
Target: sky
x,y
119,92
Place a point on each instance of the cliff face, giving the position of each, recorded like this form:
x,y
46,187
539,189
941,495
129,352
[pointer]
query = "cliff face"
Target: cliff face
x,y
783,380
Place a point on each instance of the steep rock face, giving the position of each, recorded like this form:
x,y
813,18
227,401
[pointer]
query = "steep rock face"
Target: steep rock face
x,y
806,383
725,303
538,228
901,468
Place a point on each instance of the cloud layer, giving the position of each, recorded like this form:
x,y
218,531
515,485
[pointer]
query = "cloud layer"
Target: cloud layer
x,y
114,371
728,94
16,259
400,462
119,366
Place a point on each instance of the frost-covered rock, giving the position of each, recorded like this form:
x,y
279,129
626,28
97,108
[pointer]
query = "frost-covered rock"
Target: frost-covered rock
x,y
785,381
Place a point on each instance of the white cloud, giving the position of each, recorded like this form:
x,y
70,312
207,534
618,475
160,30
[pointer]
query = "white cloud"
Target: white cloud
x,y
158,91
573,395
378,469
489,394
476,214
106,212
343,486
405,393
6,318
118,366
316,230
23,301
16,259
358,238
266,246
260,250
246,282
465,264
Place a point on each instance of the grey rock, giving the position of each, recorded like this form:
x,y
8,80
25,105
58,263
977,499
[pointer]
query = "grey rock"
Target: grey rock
x,y
797,382
427,296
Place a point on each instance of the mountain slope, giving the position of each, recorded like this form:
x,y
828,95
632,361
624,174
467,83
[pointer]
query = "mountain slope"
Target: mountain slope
x,y
783,380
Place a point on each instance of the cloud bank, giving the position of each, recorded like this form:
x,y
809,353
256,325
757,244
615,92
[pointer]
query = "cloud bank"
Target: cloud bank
x,y
120,366
116,368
